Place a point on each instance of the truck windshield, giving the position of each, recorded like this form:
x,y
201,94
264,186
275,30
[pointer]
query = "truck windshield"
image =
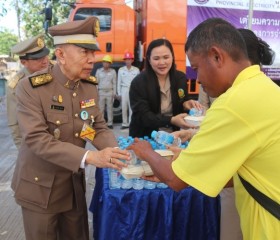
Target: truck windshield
x,y
104,15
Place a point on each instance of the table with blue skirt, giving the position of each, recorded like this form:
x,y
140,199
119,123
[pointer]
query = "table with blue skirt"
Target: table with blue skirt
x,y
156,214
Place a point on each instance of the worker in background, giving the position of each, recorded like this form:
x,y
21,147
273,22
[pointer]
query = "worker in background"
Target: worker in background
x,y
33,56
125,76
107,88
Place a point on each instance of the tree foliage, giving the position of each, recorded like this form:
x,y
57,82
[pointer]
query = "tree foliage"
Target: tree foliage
x,y
31,16
9,40
3,10
31,19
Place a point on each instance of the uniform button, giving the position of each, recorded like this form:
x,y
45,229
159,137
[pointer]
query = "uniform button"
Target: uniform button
x,y
76,134
74,94
57,122
36,179
76,115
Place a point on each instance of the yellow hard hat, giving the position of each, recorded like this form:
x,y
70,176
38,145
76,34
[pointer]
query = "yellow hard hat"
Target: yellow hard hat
x,y
107,58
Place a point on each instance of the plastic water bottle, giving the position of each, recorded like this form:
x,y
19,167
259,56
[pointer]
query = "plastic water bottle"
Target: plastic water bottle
x,y
133,158
161,185
165,138
149,184
126,183
114,179
196,112
138,184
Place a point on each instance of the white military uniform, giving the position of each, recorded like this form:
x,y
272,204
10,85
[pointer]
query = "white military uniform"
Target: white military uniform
x,y
125,77
106,89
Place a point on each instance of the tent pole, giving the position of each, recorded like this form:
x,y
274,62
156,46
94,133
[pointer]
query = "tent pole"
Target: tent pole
x,y
251,9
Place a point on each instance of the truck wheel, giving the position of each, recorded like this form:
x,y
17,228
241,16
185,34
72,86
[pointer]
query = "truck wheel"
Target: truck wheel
x,y
117,111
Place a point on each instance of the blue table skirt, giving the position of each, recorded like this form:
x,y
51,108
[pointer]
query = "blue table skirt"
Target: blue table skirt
x,y
158,214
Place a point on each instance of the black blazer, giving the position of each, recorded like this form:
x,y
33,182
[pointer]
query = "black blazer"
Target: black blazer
x,y
145,103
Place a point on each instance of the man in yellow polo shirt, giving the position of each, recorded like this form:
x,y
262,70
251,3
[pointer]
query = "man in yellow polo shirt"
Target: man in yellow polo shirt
x,y
239,135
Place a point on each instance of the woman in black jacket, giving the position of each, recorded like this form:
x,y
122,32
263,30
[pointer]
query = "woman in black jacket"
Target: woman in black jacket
x,y
158,95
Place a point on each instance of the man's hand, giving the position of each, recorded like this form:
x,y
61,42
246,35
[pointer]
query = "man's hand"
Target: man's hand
x,y
152,178
141,148
108,158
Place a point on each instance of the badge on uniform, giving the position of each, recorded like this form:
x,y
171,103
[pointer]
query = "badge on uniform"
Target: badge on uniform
x,y
87,133
87,103
57,99
181,93
84,115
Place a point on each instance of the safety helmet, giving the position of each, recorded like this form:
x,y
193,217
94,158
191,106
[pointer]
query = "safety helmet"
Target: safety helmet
x,y
128,55
107,58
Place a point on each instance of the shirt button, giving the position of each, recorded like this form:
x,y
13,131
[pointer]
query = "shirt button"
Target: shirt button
x,y
76,135
74,94
36,179
57,122
76,115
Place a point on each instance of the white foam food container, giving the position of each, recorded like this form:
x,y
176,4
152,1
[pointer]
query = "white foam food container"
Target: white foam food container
x,y
193,120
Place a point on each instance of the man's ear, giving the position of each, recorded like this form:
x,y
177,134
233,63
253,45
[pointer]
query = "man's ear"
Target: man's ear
x,y
59,53
22,61
216,55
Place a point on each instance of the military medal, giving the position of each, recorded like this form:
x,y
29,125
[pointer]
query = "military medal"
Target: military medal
x,y
87,103
87,133
54,98
59,99
84,115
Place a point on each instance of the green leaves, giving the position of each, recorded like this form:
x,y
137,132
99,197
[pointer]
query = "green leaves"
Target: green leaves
x,y
8,40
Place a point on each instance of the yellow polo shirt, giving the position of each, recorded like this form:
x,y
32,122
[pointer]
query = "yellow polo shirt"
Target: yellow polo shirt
x,y
240,133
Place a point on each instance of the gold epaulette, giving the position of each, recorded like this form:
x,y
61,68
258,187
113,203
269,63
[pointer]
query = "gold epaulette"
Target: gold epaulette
x,y
13,81
40,80
91,79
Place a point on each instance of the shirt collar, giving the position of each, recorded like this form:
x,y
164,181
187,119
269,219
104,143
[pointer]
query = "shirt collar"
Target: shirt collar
x,y
247,73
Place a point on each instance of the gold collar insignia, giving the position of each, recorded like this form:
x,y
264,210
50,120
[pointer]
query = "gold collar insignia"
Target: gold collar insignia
x,y
91,79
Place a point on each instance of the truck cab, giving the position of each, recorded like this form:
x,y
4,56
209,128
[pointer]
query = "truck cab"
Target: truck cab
x,y
117,27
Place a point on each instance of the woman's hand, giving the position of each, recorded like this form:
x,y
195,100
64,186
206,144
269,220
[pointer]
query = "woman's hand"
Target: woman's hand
x,y
180,122
192,104
175,150
185,135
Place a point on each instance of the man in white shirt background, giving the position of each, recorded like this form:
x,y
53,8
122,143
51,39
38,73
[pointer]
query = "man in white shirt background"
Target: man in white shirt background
x,y
125,76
